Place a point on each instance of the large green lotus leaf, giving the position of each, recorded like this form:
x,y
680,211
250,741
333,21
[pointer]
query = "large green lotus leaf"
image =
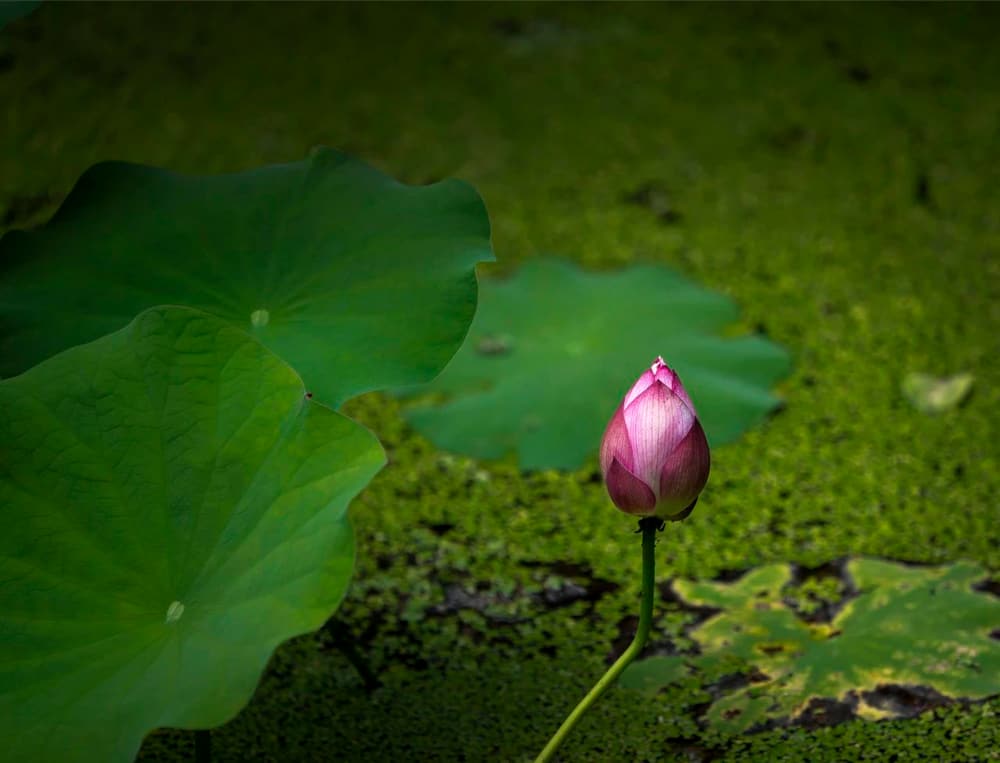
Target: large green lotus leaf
x,y
356,280
174,507
553,349
918,627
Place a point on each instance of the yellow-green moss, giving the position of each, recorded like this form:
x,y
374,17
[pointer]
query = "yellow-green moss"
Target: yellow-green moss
x,y
833,168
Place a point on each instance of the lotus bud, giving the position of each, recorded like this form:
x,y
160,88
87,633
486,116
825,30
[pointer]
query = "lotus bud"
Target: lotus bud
x,y
654,454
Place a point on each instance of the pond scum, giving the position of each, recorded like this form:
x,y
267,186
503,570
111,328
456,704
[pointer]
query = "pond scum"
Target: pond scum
x,y
831,169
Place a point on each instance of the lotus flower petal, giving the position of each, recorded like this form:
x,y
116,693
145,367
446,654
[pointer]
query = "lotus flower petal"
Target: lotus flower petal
x,y
640,386
684,473
615,443
669,377
629,493
657,421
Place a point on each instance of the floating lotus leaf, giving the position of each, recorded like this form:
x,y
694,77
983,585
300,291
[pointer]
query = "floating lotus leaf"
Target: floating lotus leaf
x,y
926,629
358,281
553,349
174,507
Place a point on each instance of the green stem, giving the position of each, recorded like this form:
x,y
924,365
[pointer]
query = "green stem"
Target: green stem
x,y
649,526
203,746
343,641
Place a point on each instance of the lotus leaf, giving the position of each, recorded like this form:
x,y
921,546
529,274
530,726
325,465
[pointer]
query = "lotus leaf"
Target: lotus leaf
x,y
553,349
174,507
358,281
922,631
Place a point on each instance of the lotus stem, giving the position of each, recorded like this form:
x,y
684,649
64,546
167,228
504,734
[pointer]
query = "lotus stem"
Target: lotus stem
x,y
648,526
203,746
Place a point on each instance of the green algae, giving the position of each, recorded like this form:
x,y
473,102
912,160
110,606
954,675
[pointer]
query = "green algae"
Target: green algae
x,y
832,169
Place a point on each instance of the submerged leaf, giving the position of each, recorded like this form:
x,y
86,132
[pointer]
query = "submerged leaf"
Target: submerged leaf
x,y
553,349
654,673
922,628
174,508
356,280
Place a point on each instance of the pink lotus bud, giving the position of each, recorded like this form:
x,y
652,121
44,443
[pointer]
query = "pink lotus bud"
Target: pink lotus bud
x,y
654,455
